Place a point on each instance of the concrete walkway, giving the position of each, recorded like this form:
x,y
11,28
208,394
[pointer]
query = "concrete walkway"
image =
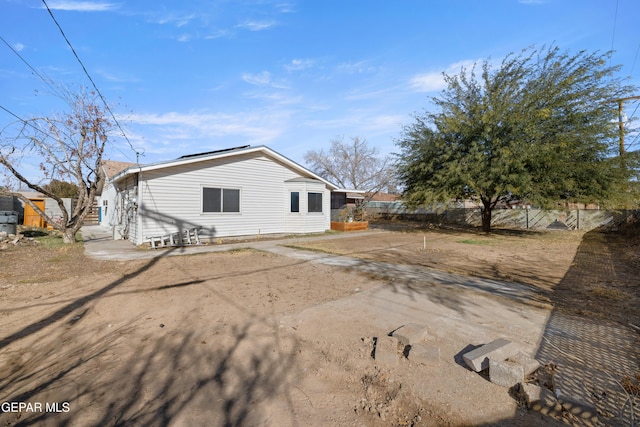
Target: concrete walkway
x,y
100,245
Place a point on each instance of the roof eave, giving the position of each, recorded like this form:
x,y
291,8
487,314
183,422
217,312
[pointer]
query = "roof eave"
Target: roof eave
x,y
262,148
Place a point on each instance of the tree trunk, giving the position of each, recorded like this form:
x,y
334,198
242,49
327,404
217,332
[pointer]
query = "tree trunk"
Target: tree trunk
x,y
69,235
486,217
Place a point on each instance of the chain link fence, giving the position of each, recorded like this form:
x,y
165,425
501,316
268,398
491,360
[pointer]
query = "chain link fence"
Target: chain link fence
x,y
532,219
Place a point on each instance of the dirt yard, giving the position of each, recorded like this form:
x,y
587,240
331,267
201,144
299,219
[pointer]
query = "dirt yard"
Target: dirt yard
x,y
249,337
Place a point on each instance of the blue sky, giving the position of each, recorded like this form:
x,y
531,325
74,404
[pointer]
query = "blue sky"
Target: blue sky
x,y
198,75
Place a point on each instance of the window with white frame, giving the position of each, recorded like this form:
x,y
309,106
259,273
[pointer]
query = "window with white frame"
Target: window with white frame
x,y
220,200
295,201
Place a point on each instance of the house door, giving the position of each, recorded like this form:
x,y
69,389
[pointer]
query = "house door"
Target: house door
x,y
31,217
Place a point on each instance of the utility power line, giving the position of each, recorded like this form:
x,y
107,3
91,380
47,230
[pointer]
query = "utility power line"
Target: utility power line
x,y
44,79
55,89
28,123
89,77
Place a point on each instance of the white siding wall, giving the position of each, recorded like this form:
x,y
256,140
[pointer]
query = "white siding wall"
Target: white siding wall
x,y
172,198
52,209
126,211
305,221
109,211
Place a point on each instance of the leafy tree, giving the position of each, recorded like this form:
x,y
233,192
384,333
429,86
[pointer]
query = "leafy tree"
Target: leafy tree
x,y
354,165
61,188
538,128
64,148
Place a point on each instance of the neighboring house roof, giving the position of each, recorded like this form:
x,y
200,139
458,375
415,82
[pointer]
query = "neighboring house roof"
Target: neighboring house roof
x,y
220,154
384,197
112,167
352,193
31,194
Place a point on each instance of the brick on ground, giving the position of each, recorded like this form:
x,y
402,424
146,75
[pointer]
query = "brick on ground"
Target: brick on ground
x,y
529,364
411,333
505,373
386,351
499,349
513,370
423,353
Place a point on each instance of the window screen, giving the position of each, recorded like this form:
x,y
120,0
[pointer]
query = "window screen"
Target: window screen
x,y
295,201
220,200
230,200
211,201
314,202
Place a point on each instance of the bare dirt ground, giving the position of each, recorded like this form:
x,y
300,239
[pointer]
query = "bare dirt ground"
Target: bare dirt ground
x,y
253,338
593,273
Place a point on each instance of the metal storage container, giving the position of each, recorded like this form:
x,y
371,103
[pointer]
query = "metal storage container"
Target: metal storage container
x,y
9,221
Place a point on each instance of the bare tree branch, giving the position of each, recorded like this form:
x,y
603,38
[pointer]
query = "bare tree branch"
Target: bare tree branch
x,y
65,148
352,165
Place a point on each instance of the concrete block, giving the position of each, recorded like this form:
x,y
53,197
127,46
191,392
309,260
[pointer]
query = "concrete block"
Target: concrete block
x,y
529,364
424,354
499,349
411,333
386,351
505,373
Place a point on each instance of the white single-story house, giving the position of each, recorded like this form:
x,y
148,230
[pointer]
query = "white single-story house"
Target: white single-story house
x,y
234,192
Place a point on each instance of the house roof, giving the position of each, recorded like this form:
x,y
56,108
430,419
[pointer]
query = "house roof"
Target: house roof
x,y
219,154
385,197
352,195
112,168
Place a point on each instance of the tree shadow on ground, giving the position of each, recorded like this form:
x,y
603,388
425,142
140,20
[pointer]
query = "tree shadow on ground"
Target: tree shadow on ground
x,y
164,378
74,305
415,280
587,338
588,335
117,377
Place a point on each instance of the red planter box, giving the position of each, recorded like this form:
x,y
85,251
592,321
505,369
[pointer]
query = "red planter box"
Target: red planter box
x,y
350,226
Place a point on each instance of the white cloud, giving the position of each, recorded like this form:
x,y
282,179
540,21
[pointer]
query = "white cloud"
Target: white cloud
x,y
181,22
277,98
208,128
367,122
18,47
178,20
184,37
285,7
434,81
428,82
359,67
360,95
257,25
262,79
116,78
298,64
81,6
216,34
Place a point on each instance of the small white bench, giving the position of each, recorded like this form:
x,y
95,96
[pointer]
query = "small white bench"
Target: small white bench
x,y
187,237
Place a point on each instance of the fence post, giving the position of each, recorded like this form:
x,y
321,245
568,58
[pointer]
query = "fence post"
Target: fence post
x,y
578,220
527,216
